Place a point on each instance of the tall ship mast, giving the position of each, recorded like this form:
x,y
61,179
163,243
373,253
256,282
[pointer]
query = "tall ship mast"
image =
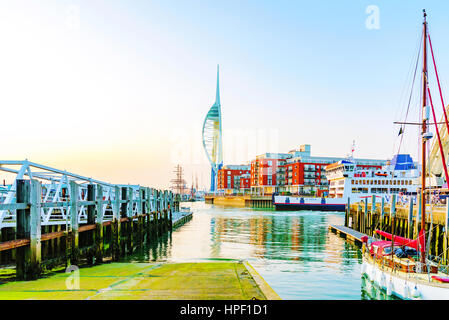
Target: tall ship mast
x,y
402,266
424,136
178,184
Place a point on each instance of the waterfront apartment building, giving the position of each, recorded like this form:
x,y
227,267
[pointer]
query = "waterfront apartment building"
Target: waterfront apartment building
x,y
245,183
296,172
266,172
231,178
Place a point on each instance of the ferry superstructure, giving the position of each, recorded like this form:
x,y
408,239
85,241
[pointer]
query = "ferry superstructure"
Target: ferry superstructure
x,y
347,180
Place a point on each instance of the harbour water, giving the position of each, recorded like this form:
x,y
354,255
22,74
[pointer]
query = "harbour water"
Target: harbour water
x,y
293,251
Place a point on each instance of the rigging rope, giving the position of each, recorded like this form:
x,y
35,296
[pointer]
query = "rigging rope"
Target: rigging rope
x,y
439,88
411,94
438,136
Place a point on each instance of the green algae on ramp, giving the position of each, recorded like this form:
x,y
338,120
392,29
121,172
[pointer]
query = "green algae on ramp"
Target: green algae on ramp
x,y
146,281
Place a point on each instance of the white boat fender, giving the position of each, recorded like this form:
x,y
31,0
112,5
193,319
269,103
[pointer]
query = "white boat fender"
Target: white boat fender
x,y
390,288
363,268
415,293
383,281
371,274
406,291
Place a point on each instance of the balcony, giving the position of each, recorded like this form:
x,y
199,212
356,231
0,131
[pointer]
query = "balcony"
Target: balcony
x,y
309,168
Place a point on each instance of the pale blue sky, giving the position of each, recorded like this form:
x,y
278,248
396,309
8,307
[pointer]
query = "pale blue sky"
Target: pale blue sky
x,y
118,89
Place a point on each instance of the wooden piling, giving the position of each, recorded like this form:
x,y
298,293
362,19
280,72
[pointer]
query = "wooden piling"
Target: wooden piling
x,y
410,219
91,221
28,226
445,234
74,227
22,227
116,227
99,224
130,222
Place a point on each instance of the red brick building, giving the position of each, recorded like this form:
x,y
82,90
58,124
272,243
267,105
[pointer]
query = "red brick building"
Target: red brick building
x,y
245,182
266,172
296,172
228,179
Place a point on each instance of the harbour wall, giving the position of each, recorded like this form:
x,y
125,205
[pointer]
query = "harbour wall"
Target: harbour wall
x,y
403,220
241,201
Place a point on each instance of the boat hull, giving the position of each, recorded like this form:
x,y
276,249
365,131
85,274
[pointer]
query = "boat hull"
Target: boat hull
x,y
290,203
404,287
310,207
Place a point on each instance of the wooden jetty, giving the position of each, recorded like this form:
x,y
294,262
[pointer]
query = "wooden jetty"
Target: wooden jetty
x,y
401,218
181,217
348,233
77,220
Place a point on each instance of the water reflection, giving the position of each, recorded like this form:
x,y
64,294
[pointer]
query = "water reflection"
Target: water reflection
x,y
293,251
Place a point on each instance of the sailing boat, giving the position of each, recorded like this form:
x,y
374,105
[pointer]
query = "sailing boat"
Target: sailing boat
x,y
400,265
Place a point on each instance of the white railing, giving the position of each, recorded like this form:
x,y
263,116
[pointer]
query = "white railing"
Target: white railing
x,y
61,190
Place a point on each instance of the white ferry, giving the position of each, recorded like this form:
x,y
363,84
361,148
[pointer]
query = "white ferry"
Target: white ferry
x,y
347,180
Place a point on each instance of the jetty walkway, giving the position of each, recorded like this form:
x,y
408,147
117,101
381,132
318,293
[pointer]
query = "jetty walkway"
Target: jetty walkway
x,y
56,217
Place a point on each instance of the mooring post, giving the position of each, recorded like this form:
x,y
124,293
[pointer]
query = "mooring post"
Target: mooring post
x,y
35,229
382,213
124,204
372,214
157,208
148,211
152,212
365,215
410,219
170,219
28,226
445,238
99,221
141,217
177,202
23,223
130,215
161,211
91,221
74,232
347,211
392,213
418,218
437,237
165,210
116,226
123,235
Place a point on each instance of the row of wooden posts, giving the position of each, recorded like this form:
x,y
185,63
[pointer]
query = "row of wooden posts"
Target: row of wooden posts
x,y
402,220
36,248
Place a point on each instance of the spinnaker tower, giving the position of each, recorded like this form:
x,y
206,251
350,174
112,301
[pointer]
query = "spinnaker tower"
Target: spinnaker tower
x,y
212,138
